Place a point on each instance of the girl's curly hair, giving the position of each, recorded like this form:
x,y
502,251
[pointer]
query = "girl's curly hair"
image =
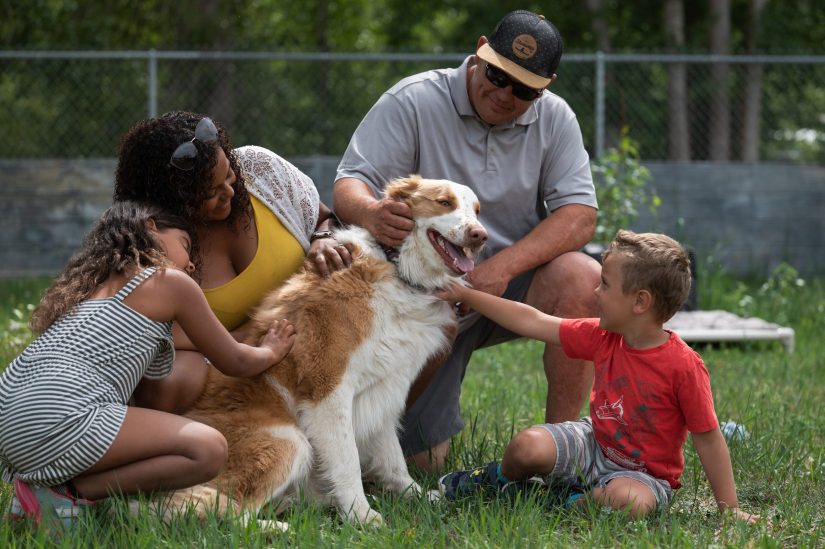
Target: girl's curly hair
x,y
120,242
145,174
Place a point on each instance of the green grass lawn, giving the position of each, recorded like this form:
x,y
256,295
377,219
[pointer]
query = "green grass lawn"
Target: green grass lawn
x,y
779,468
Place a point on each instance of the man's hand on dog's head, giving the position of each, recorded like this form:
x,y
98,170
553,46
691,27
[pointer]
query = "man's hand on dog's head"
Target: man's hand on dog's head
x,y
390,222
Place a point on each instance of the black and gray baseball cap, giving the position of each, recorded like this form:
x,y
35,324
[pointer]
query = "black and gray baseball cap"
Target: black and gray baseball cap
x,y
526,46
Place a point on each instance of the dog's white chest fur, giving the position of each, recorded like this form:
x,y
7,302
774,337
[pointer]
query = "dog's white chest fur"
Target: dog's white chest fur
x,y
408,329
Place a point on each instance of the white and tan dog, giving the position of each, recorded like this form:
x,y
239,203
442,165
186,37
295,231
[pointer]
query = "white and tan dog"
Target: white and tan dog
x,y
328,414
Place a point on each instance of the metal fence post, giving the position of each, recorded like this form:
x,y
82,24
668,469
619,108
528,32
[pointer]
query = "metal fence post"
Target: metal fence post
x,y
153,83
599,107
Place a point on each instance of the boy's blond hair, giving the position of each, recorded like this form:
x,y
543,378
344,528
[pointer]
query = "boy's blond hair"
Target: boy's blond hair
x,y
656,263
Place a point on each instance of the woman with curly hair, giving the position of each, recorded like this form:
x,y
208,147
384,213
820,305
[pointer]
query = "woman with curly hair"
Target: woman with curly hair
x,y
67,435
256,218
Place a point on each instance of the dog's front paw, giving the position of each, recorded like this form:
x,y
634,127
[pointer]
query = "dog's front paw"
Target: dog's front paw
x,y
367,517
402,486
412,490
434,496
374,519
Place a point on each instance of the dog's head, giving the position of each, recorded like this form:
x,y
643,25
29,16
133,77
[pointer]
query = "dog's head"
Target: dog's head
x,y
447,235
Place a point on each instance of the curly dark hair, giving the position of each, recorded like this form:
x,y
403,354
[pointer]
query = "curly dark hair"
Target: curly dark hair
x,y
120,241
145,174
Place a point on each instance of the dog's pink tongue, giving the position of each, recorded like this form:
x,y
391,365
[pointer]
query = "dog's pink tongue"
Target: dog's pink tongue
x,y
461,262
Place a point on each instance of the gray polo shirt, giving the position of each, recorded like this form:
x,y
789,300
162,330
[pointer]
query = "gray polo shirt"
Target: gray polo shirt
x,y
425,124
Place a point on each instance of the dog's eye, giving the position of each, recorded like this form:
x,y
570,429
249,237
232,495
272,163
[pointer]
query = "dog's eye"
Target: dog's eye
x,y
446,203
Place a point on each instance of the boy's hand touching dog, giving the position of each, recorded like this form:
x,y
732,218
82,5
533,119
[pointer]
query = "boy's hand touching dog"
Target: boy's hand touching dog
x,y
452,293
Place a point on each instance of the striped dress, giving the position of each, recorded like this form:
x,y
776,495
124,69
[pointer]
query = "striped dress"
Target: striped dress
x,y
63,400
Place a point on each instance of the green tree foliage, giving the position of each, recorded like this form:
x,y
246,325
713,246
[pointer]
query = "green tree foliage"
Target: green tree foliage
x,y
73,108
621,188
788,26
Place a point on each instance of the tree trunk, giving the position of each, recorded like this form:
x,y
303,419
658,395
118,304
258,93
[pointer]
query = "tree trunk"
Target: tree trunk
x,y
217,78
752,110
599,24
678,131
719,125
322,41
601,31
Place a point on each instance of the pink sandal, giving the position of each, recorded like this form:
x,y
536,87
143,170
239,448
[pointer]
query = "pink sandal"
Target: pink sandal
x,y
28,501
51,504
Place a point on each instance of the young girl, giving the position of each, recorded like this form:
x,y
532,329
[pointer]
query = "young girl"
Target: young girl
x,y
67,436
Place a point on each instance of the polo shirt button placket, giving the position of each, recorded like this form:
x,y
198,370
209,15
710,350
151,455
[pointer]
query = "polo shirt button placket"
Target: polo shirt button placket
x,y
490,151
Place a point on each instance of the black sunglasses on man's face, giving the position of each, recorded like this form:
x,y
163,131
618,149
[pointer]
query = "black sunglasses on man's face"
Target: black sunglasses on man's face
x,y
499,79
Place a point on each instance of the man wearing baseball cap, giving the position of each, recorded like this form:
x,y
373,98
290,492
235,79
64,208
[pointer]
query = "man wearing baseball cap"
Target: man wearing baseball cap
x,y
490,124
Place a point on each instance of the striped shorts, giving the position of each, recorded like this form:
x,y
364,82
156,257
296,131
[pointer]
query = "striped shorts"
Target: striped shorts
x,y
580,461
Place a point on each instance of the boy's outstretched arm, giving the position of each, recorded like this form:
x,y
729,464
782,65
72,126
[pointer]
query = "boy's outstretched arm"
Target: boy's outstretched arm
x,y
713,453
517,317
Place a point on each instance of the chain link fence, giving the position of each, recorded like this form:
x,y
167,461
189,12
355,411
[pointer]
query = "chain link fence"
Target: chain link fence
x,y
79,104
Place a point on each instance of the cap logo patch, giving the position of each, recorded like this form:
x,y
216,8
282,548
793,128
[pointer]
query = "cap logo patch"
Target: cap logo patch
x,y
524,46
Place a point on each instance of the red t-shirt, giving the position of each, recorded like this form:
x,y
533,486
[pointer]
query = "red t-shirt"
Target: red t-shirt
x,y
643,402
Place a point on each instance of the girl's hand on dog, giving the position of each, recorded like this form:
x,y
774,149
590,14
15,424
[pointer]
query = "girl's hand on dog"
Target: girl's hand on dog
x,y
279,338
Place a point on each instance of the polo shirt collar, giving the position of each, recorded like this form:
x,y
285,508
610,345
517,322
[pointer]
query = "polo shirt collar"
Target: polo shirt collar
x,y
461,99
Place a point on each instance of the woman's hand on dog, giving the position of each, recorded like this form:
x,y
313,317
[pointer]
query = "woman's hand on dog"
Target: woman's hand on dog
x,y
328,255
279,338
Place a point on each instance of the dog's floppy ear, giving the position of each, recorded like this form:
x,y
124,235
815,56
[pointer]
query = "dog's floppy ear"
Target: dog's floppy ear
x,y
402,188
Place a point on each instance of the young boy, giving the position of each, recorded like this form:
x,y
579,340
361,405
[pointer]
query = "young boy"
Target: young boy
x,y
650,389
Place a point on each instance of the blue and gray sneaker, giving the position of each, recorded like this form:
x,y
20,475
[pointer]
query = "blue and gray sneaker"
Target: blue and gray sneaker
x,y
462,484
574,498
484,480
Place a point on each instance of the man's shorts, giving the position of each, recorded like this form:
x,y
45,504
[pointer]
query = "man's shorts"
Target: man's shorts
x,y
580,461
435,415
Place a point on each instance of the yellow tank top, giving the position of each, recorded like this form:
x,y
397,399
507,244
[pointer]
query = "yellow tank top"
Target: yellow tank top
x,y
278,256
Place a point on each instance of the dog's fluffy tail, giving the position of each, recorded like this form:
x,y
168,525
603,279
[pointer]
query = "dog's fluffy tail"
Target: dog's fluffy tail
x,y
200,499
204,501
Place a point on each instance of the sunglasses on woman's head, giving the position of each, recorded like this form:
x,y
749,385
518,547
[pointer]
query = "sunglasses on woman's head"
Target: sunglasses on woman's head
x,y
185,155
499,79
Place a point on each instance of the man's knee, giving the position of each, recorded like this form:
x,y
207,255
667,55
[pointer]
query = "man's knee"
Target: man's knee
x,y
566,286
432,459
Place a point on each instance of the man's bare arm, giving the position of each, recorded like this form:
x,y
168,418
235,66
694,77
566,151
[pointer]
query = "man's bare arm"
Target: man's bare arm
x,y
567,229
